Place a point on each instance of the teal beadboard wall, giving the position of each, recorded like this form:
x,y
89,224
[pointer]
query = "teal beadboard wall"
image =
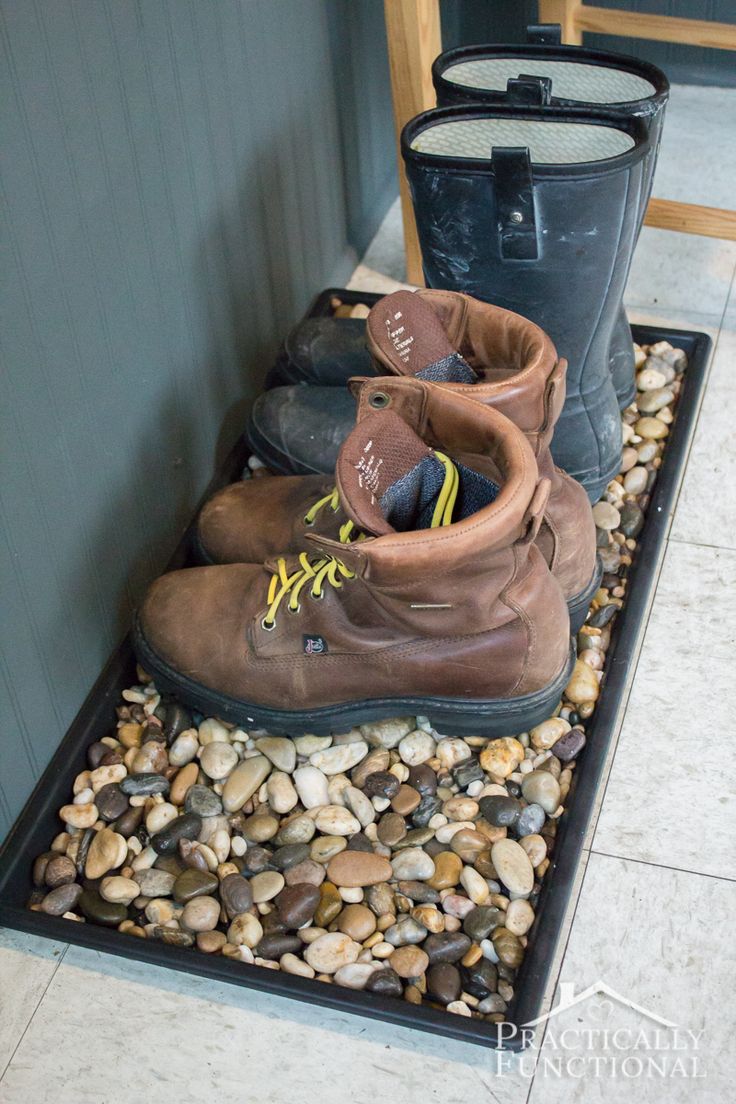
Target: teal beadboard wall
x,y
176,184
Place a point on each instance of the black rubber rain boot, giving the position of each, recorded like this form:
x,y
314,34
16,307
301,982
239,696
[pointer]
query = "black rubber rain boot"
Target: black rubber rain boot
x,y
537,211
576,77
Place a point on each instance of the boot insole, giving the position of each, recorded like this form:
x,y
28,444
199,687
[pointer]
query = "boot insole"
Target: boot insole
x,y
550,142
413,340
571,80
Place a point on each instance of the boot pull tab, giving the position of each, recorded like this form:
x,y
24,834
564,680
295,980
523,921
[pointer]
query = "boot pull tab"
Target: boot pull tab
x,y
544,34
517,228
534,91
535,513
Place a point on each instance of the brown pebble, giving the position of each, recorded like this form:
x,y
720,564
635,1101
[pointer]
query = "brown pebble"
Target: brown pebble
x,y
447,870
391,829
60,871
210,942
409,961
185,778
358,868
357,921
405,801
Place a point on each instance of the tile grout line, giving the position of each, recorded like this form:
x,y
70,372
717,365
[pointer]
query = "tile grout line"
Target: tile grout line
x,y
664,866
703,544
32,1016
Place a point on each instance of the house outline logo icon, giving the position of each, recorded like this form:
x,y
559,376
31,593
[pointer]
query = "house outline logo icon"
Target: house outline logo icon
x,y
568,999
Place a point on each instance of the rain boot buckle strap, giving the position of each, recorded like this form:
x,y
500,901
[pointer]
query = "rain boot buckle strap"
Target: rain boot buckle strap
x,y
544,34
525,89
512,171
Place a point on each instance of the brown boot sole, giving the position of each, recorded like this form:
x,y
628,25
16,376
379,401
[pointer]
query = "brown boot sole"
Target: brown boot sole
x,y
450,716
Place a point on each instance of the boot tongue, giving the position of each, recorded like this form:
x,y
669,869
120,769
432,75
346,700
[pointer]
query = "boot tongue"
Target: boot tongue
x,y
386,475
412,341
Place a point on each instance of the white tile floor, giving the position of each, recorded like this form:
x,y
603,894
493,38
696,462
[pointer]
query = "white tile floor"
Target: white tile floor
x,y
652,913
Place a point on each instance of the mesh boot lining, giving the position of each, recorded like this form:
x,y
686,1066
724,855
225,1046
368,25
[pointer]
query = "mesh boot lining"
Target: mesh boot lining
x,y
571,80
549,142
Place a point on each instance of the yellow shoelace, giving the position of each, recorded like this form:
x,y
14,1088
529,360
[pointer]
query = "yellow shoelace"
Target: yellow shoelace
x,y
328,569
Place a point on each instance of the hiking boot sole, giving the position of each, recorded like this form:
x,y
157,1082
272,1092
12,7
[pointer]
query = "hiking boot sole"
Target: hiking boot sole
x,y
450,716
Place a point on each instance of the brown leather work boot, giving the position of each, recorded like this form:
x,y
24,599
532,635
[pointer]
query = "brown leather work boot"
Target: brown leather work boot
x,y
434,599
490,354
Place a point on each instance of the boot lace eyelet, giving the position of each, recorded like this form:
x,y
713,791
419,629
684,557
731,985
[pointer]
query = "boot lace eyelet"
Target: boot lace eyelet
x,y
268,626
316,597
297,610
379,399
308,522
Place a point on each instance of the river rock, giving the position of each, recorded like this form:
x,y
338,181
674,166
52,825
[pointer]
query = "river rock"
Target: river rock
x,y
501,812
186,826
289,855
217,760
359,805
106,852
334,820
329,952
480,979
606,516
111,802
423,779
297,904
235,894
446,946
405,800
201,914
546,734
540,787
155,883
359,868
481,921
570,746
501,757
194,883
202,800
184,749
407,930
339,758
325,848
354,975
583,687
80,816
391,829
376,760
387,733
652,429
176,721
60,870
508,948
409,961
519,916
244,781
144,785
107,913
280,751
531,820
308,871
381,784
119,890
447,870
357,921
61,899
632,519
416,748
311,786
266,885
512,866
386,982
275,944
413,864
443,983
282,797
245,930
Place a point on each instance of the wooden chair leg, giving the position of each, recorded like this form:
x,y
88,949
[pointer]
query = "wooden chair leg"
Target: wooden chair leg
x,y
565,13
414,41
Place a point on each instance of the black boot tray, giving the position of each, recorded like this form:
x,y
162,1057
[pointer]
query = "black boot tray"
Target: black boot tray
x,y
38,823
